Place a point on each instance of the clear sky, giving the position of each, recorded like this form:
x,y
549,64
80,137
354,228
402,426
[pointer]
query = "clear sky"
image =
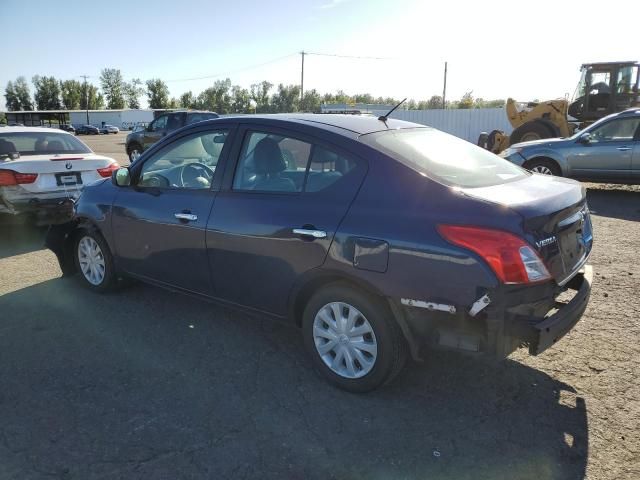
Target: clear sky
x,y
496,48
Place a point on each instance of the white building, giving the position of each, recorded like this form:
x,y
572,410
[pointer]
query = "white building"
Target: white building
x,y
123,119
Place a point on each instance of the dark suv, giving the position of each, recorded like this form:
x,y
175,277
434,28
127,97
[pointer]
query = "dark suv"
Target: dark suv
x,y
138,141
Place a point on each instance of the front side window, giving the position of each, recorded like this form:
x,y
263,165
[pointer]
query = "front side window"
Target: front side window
x,y
445,158
159,123
619,130
189,162
174,122
37,143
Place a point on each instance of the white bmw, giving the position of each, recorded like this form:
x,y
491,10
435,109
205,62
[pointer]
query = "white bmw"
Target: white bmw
x,y
41,169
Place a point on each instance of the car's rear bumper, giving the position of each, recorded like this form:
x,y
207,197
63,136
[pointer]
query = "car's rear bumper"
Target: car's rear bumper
x,y
45,210
534,316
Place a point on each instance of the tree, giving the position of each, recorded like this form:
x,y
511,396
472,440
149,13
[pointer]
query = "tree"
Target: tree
x,y
466,101
132,92
17,95
433,103
286,99
241,100
71,94
158,93
174,103
260,95
113,87
47,94
216,98
90,93
187,100
310,101
3,119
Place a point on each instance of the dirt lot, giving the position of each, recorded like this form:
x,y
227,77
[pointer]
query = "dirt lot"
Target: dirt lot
x,y
111,145
149,384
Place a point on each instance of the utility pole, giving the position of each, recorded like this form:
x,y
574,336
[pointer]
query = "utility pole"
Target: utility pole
x,y
86,93
302,78
444,90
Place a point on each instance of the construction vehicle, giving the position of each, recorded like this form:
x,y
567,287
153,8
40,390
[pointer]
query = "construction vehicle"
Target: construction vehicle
x,y
604,88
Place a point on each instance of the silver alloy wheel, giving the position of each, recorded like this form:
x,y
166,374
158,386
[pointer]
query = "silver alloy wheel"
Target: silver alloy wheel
x,y
542,169
134,155
344,339
91,260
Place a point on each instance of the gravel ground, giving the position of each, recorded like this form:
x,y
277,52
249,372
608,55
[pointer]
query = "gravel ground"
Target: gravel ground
x,y
149,384
111,145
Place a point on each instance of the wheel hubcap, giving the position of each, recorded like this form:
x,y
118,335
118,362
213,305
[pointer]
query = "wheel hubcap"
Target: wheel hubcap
x,y
542,169
344,339
133,156
91,260
528,137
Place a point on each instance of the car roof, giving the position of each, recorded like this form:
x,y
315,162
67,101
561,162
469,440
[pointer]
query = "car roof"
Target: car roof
x,y
356,124
32,130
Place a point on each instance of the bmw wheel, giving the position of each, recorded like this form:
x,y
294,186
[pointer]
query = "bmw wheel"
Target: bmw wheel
x,y
94,261
353,340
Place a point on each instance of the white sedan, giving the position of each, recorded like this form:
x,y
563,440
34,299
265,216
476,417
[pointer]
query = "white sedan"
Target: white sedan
x,y
42,169
107,129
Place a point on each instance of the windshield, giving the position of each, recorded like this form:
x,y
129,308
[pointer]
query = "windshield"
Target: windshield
x,y
42,143
444,158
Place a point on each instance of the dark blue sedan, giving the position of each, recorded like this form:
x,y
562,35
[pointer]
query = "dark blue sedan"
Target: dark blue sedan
x,y
378,238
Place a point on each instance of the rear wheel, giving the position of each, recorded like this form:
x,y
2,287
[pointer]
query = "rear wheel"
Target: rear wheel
x,y
134,153
353,339
529,131
94,261
544,166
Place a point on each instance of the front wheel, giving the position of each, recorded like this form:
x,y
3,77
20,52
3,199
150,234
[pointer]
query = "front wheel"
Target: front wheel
x,y
134,153
543,166
353,339
94,261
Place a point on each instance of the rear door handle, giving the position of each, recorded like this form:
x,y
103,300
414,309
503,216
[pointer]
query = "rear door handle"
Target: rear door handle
x,y
310,233
189,217
624,149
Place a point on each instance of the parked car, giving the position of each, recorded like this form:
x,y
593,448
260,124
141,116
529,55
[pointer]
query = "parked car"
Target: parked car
x,y
107,129
139,140
377,237
42,168
606,151
87,130
67,128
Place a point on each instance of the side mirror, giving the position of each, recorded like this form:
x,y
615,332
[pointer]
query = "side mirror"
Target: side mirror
x,y
585,138
121,177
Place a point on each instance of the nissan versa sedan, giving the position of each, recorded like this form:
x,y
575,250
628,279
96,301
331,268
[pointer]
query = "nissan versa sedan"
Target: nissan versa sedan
x,y
607,151
378,238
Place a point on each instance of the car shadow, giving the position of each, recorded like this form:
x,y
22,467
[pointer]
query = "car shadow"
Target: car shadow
x,y
150,384
621,202
17,237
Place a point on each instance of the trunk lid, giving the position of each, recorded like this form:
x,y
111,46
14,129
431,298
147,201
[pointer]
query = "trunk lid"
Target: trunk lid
x,y
555,219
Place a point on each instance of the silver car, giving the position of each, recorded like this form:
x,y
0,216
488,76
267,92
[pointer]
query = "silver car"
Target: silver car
x,y
606,151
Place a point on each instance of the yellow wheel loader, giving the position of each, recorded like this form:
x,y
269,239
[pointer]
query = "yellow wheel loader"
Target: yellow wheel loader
x,y
604,88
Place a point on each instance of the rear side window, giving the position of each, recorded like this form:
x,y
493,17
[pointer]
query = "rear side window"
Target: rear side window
x,y
40,143
277,163
199,117
444,158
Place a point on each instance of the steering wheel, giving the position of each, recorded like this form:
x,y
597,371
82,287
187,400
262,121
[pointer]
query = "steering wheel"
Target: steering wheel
x,y
198,170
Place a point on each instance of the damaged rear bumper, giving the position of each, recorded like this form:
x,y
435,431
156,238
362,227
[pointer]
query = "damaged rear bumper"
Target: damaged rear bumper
x,y
500,321
45,211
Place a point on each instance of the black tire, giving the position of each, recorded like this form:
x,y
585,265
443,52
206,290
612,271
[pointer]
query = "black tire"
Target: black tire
x,y
544,166
110,278
491,139
529,131
133,147
391,345
482,140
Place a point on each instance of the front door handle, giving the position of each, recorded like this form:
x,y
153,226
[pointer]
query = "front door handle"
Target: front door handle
x,y
624,149
310,233
189,217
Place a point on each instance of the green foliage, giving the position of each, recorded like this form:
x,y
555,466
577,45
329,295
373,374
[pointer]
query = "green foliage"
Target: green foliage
x,y
90,93
286,99
3,119
466,101
71,94
187,100
158,93
113,87
17,95
310,102
241,99
216,98
174,103
47,93
132,92
259,93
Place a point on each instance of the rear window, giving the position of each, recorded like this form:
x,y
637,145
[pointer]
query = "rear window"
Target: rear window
x,y
444,158
41,143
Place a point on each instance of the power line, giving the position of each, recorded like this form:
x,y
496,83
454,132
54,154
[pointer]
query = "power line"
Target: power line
x,y
233,71
348,56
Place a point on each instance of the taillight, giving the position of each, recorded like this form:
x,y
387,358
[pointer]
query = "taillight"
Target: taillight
x,y
9,178
509,256
107,171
